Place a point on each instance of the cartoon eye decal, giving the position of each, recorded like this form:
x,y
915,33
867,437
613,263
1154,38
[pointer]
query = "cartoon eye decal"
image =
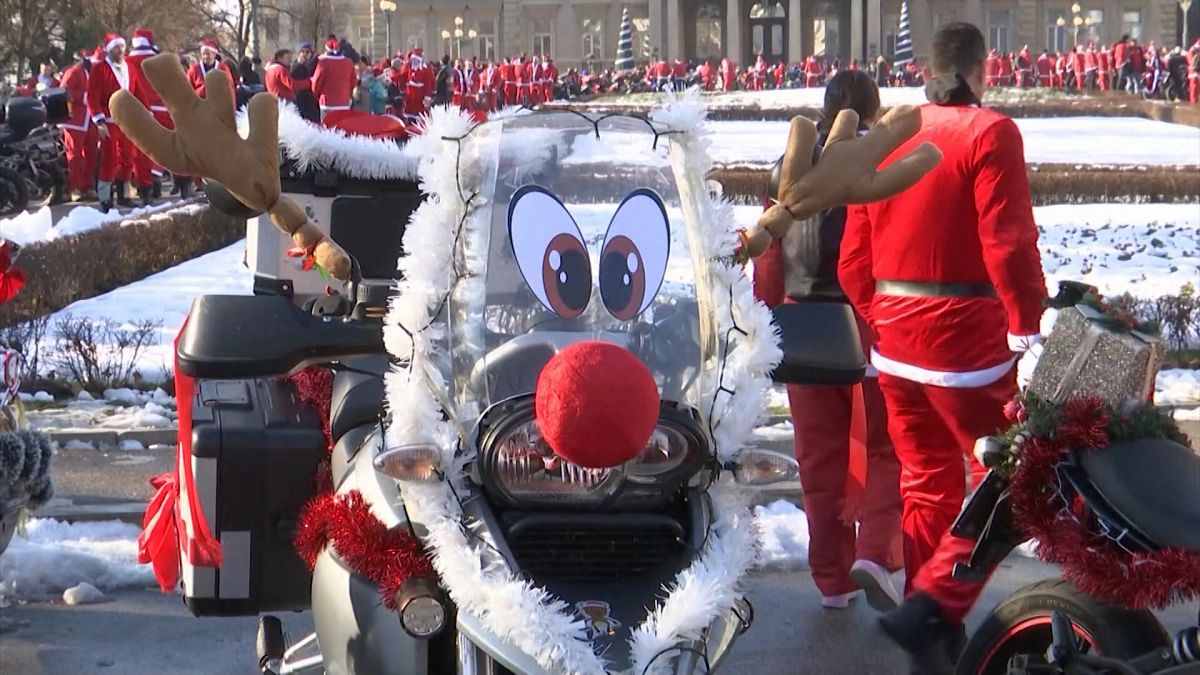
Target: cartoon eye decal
x,y
633,260
550,252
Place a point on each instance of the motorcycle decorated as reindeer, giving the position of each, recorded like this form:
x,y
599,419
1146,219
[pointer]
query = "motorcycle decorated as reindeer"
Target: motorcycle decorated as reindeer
x,y
522,456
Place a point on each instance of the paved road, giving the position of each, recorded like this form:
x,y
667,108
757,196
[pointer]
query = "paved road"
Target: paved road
x,y
141,632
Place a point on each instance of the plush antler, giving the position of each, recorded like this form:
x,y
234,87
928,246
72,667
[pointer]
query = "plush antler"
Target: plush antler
x,y
206,143
846,172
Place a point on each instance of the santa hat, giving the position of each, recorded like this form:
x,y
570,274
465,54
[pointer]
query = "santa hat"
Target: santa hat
x,y
98,53
209,45
112,41
331,45
143,38
417,55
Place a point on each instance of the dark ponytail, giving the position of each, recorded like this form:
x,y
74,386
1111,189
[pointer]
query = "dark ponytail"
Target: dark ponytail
x,y
849,90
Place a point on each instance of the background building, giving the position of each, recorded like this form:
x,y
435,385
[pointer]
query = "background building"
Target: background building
x,y
584,32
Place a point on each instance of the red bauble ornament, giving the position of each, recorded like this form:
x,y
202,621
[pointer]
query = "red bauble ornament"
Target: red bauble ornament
x,y
597,404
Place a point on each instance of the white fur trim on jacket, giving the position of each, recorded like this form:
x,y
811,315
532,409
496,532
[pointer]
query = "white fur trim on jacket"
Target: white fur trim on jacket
x,y
941,378
1023,343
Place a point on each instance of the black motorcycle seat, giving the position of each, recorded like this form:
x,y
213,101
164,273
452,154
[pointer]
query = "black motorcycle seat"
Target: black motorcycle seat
x,y
1154,484
247,336
357,394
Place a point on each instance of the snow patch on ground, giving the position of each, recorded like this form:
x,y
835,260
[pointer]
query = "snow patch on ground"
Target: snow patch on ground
x,y
55,556
38,226
1055,140
775,433
1178,387
783,535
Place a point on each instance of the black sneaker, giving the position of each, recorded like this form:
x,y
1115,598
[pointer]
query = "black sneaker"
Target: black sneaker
x,y
933,643
105,207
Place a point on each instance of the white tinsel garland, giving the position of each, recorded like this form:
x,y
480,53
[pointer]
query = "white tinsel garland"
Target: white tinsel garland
x,y
311,145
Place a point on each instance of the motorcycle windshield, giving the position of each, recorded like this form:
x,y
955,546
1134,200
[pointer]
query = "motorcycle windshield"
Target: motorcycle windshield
x,y
584,239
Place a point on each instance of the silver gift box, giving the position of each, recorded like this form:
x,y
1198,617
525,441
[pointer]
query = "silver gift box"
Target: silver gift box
x,y
1083,357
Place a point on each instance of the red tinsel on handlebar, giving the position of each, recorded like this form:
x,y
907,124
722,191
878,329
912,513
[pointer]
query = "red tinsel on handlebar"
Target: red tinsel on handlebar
x,y
369,548
1096,564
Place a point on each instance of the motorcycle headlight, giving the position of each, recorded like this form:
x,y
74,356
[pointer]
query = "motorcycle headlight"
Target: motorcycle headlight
x,y
518,466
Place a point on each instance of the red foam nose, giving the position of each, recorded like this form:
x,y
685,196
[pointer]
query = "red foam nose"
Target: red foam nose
x,y
596,404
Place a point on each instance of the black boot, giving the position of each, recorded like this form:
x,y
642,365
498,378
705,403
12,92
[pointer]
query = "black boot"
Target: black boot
x,y
933,643
122,197
146,192
184,187
104,190
157,193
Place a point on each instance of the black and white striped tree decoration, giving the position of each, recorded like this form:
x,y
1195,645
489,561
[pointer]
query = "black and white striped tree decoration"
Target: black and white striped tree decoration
x,y
625,42
904,46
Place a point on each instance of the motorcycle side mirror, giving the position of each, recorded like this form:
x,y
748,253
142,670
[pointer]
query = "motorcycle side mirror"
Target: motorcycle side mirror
x,y
989,451
758,467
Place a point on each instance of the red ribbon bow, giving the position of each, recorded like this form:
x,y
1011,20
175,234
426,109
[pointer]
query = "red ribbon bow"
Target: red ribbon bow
x,y
11,278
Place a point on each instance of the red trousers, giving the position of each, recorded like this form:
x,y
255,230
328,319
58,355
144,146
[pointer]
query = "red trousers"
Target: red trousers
x,y
116,155
144,168
81,151
934,430
822,420
1193,87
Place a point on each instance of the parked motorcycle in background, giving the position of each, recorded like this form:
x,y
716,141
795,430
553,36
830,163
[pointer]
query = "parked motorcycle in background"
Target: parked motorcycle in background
x,y
31,147
1110,490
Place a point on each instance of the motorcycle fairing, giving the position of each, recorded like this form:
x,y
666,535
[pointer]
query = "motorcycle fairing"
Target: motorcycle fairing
x,y
440,318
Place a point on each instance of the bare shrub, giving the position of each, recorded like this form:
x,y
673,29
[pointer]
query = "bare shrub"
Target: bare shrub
x,y
27,338
100,354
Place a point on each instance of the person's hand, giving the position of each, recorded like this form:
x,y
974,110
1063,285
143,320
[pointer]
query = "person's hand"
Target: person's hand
x,y
102,129
846,172
206,143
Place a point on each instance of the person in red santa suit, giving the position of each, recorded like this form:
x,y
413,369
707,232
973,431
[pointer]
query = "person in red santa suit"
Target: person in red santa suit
x,y
508,77
991,69
465,84
851,502
334,78
278,79
1045,70
146,173
116,151
1061,68
1104,68
490,85
1024,68
728,74
210,59
1091,67
1007,70
760,73
549,79
1194,72
812,72
949,278
708,76
419,84
79,134
1078,69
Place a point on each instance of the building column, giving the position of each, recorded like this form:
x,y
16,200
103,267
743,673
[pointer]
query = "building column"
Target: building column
x,y
856,30
921,27
674,31
735,20
656,28
874,28
795,29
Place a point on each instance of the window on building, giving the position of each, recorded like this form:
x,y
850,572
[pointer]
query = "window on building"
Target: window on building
x,y
710,17
1056,35
1095,25
592,31
542,38
825,35
998,23
1131,23
486,48
641,39
415,28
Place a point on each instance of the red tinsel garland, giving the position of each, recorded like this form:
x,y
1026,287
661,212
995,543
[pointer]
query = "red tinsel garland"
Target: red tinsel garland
x,y
1094,563
387,557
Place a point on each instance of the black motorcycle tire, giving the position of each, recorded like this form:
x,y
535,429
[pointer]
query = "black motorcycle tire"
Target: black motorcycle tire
x,y
58,184
41,188
1021,624
14,195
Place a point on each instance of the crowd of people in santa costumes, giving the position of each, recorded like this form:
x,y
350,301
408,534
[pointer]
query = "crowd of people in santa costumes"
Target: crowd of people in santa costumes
x,y
1125,66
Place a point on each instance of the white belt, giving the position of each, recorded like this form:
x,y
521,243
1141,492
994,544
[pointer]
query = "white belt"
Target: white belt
x,y
335,107
158,108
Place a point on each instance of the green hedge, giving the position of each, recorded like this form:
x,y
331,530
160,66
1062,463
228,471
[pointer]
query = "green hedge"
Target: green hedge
x,y
82,266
